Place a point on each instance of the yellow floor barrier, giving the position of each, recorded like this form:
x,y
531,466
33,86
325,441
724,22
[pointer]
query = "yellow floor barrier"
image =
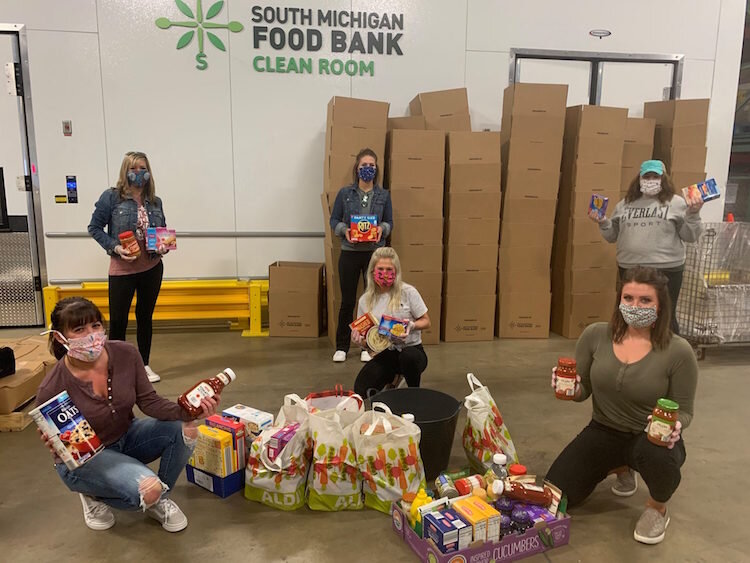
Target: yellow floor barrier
x,y
242,302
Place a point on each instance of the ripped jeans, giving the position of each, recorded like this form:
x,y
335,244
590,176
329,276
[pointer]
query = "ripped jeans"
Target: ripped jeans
x,y
114,476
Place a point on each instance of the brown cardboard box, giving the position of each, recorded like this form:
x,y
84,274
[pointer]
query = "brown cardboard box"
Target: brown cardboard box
x,y
417,143
533,153
578,231
471,231
468,318
468,177
33,360
685,158
684,179
354,112
444,110
473,205
524,258
596,121
526,209
295,299
582,256
526,234
690,135
633,154
536,128
523,315
627,175
426,283
414,201
416,171
593,149
417,257
677,112
468,147
417,230
511,280
342,139
470,282
584,176
545,102
572,314
534,182
413,123
338,172
577,204
595,280
640,130
432,334
463,257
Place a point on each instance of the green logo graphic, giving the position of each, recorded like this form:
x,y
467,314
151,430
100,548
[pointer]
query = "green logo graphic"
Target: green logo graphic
x,y
199,26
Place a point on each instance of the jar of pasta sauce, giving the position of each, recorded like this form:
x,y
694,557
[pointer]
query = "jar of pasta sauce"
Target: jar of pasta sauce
x,y
129,243
565,382
663,420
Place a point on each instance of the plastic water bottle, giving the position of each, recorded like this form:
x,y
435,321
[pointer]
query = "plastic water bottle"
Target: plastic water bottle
x,y
498,466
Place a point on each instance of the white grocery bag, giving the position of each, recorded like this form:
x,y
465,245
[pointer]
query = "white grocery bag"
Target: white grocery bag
x,y
281,483
334,481
485,433
388,457
332,398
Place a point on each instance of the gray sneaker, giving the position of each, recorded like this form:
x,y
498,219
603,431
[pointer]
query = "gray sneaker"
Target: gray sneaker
x,y
651,526
626,484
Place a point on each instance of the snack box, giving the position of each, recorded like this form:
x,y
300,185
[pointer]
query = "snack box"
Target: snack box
x,y
475,516
161,238
280,439
213,452
599,204
220,486
537,513
493,518
72,437
707,190
236,429
255,421
364,228
364,323
448,530
393,327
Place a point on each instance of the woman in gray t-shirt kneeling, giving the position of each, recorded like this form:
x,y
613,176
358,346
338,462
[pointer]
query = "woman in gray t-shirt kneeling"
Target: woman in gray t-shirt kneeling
x,y
386,294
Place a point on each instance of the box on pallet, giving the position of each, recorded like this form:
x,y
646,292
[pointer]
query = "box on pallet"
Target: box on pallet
x,y
295,299
443,110
523,314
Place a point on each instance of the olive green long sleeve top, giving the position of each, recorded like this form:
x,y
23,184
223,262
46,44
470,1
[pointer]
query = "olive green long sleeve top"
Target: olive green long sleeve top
x,y
623,395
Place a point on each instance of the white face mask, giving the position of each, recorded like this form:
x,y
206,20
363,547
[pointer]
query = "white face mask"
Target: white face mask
x,y
650,187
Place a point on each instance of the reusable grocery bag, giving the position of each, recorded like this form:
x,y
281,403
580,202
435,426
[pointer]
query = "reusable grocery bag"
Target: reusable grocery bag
x,y
485,433
334,482
388,457
332,398
281,483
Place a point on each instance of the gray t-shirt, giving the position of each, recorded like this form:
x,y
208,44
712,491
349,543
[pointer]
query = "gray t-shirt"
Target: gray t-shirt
x,y
412,308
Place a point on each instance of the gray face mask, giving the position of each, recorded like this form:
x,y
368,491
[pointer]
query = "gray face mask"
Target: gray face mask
x,y
638,317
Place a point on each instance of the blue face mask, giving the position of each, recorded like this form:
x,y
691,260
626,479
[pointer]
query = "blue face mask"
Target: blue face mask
x,y
367,173
139,178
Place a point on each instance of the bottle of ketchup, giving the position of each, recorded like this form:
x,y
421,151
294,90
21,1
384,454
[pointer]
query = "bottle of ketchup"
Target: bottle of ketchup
x,y
190,400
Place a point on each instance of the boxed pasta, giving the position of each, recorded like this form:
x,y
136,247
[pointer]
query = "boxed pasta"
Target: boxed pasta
x,y
213,452
255,420
237,430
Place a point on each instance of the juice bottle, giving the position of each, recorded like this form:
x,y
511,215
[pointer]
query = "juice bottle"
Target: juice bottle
x,y
190,400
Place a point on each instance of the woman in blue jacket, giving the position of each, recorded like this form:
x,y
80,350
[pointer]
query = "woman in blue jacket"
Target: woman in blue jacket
x,y
363,197
131,205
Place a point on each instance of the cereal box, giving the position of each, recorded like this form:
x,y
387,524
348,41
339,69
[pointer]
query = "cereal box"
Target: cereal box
x,y
237,430
599,204
364,228
255,421
392,327
364,323
160,239
74,440
707,191
213,452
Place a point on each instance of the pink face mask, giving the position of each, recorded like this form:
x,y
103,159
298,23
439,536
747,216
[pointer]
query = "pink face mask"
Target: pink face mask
x,y
86,348
384,278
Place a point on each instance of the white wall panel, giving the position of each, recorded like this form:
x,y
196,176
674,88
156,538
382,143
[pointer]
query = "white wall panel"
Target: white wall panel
x,y
75,259
486,79
255,255
75,15
629,85
576,74
201,258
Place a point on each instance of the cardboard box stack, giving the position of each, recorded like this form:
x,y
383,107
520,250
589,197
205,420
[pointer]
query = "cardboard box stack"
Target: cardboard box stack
x,y
532,135
33,361
639,146
295,299
443,110
584,271
680,138
416,169
351,125
472,218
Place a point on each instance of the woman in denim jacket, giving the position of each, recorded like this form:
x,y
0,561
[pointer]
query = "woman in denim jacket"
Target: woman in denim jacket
x,y
363,197
131,206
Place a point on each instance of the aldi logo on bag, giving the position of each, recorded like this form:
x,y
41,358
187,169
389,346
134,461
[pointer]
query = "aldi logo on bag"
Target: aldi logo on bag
x,y
282,500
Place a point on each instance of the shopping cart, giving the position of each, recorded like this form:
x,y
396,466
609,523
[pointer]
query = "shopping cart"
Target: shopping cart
x,y
714,304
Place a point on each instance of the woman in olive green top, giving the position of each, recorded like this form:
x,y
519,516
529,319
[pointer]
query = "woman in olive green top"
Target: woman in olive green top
x,y
626,366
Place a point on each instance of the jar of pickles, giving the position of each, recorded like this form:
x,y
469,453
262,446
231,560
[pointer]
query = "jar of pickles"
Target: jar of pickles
x,y
565,380
663,420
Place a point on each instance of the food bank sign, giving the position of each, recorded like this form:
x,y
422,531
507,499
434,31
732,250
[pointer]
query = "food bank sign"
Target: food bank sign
x,y
304,31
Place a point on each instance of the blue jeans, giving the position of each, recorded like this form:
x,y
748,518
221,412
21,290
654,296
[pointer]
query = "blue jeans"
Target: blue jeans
x,y
114,475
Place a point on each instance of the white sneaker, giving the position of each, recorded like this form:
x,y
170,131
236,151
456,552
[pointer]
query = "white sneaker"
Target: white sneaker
x,y
153,377
364,356
96,514
339,356
169,514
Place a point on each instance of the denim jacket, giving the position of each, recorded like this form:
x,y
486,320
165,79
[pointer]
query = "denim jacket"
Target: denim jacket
x,y
347,203
120,215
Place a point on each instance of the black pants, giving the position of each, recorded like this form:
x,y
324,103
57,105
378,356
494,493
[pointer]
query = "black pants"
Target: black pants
x,y
352,264
599,449
674,278
383,368
121,290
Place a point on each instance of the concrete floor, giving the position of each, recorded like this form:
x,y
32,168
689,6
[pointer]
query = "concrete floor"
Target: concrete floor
x,y
41,520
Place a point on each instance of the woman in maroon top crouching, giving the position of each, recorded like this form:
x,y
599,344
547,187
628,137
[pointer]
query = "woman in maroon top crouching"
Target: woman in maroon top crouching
x,y
105,379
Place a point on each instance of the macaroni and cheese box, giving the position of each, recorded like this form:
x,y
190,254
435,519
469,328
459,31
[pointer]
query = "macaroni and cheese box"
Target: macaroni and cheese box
x,y
364,323
72,437
391,326
236,429
220,486
474,515
364,228
161,238
599,204
493,518
255,421
213,452
707,190
448,530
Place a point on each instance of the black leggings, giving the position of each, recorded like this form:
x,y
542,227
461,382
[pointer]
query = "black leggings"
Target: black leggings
x,y
383,368
352,264
674,279
599,449
121,290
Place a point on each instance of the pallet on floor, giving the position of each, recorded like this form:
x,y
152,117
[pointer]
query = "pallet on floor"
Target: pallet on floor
x,y
18,419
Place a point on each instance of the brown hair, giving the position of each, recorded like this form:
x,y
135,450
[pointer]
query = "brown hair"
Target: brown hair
x,y
360,155
123,186
661,333
666,194
71,312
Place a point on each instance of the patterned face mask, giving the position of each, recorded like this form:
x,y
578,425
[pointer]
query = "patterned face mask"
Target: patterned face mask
x,y
367,173
384,278
86,348
638,317
650,187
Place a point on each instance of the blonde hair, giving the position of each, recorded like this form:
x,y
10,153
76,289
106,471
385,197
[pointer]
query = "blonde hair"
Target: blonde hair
x,y
371,295
128,161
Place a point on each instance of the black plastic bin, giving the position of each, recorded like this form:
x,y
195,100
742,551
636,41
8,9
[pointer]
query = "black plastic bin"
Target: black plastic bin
x,y
436,414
